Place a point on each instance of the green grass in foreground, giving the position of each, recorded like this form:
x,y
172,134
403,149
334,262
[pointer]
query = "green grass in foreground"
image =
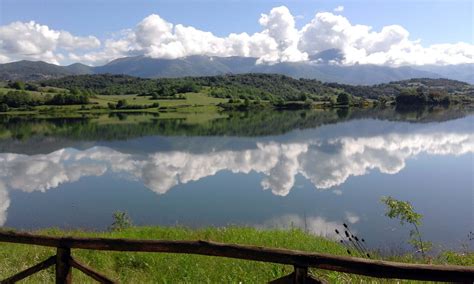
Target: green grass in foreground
x,y
127,267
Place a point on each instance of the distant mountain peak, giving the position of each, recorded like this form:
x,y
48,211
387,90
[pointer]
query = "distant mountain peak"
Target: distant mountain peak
x,y
332,55
319,67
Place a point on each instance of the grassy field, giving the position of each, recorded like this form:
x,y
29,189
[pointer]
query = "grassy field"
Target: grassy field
x,y
192,102
34,93
201,102
42,91
182,268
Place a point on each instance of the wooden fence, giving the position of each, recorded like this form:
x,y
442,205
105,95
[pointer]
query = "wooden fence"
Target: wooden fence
x,y
301,261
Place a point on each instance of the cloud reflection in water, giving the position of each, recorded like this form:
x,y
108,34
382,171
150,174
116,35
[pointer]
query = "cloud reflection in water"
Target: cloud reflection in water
x,y
325,162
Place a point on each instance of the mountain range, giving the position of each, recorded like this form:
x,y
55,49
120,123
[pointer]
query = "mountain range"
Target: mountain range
x,y
322,66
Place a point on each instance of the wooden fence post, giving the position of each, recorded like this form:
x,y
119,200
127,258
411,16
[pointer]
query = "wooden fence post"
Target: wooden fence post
x,y
300,274
63,267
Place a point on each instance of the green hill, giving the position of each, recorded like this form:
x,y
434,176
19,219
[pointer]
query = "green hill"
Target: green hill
x,y
253,86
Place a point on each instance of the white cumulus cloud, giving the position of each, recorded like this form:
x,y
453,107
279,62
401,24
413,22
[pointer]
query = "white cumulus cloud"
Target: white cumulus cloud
x,y
30,40
278,41
339,8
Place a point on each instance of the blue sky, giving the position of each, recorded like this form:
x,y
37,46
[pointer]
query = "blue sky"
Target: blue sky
x,y
432,22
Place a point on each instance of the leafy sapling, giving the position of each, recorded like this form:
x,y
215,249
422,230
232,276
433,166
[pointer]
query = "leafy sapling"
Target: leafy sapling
x,y
121,221
404,211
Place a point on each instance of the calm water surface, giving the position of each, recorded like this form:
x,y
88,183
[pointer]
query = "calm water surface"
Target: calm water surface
x,y
313,170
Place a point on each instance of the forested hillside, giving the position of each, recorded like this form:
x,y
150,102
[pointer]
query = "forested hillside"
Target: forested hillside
x,y
252,86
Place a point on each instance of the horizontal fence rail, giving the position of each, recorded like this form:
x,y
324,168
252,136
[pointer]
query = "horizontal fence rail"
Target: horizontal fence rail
x,y
299,259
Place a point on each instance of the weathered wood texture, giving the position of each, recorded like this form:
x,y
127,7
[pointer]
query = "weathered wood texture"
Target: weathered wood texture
x,y
63,267
299,276
90,272
30,271
368,267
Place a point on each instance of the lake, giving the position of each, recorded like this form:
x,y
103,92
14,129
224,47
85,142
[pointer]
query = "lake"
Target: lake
x,y
309,169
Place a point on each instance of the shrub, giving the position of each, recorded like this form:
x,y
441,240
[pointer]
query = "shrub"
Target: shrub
x,y
121,221
18,85
343,98
121,104
3,107
404,211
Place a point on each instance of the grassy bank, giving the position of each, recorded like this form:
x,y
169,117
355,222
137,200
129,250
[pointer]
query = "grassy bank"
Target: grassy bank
x,y
176,268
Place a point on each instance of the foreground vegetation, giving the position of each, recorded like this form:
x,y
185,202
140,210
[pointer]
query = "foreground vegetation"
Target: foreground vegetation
x,y
179,268
119,93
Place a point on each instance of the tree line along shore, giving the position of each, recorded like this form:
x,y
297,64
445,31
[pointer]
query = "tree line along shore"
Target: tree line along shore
x,y
99,93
